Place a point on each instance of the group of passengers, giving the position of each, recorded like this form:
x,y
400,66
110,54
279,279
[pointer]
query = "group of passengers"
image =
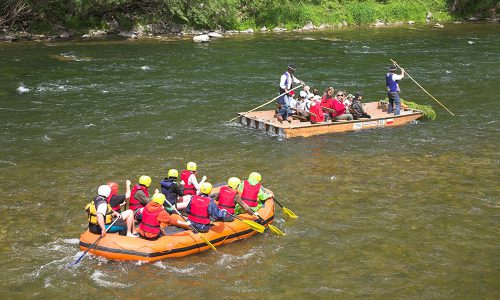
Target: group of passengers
x,y
190,196
311,106
331,106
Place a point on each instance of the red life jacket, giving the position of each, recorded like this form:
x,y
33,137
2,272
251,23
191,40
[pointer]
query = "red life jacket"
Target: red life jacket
x,y
226,199
189,189
134,203
149,221
250,193
117,207
198,211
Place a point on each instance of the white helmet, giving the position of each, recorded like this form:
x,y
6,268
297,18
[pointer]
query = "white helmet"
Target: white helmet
x,y
104,190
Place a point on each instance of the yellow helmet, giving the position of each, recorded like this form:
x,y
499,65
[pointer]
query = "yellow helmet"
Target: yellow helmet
x,y
173,173
158,198
191,166
255,177
206,188
233,182
145,180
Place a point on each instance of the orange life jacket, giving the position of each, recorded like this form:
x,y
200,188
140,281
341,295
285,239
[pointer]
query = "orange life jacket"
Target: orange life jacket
x,y
226,199
189,189
250,193
198,211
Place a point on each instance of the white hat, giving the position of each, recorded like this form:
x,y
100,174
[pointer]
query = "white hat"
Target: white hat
x,y
104,190
303,94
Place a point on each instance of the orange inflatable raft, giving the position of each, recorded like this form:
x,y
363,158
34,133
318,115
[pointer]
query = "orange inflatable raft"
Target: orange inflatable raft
x,y
178,242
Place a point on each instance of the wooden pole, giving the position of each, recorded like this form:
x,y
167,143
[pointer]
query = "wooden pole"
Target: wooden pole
x,y
396,64
266,102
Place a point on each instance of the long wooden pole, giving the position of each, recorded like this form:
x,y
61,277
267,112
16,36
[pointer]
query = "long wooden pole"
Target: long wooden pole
x,y
396,64
266,102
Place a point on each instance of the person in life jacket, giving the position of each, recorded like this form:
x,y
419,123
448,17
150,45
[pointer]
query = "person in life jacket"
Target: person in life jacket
x,y
189,183
228,197
172,191
252,193
100,215
118,200
139,196
392,85
153,215
202,208
285,85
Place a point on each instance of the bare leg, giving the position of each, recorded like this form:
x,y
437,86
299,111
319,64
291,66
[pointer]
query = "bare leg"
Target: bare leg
x,y
128,217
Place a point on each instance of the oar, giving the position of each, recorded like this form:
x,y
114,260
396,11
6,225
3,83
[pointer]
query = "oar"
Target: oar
x,y
396,64
255,226
92,246
267,102
202,236
273,228
286,211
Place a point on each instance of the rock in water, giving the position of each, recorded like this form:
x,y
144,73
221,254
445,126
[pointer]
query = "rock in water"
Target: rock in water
x,y
204,38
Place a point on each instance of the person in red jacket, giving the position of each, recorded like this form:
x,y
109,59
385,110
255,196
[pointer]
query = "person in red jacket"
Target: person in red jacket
x,y
327,101
153,215
228,197
316,111
338,106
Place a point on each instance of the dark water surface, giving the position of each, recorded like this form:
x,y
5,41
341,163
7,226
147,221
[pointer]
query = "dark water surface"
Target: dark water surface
x,y
408,212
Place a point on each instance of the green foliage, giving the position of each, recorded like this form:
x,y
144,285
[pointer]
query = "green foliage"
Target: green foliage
x,y
427,110
227,14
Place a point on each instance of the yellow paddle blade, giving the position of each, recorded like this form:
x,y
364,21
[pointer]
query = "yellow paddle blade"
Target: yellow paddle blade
x,y
275,230
255,226
207,241
289,213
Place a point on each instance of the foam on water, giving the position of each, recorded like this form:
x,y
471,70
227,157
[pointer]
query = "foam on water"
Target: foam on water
x,y
22,89
98,278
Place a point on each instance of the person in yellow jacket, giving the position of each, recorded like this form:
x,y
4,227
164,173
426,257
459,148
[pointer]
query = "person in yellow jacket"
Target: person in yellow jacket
x,y
100,216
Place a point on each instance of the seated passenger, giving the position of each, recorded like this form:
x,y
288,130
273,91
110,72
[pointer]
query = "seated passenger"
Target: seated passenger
x,y
100,215
139,196
357,109
348,102
172,191
201,208
153,215
327,101
117,201
189,184
338,106
228,197
252,194
316,114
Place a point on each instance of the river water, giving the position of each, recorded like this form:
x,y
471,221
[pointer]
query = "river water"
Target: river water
x,y
407,212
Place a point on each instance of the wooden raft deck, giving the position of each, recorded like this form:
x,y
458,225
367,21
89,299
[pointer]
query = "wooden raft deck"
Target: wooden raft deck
x,y
265,121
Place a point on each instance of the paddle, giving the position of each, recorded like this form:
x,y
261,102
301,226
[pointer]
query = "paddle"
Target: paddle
x,y
273,228
202,236
396,64
92,246
267,102
255,226
286,211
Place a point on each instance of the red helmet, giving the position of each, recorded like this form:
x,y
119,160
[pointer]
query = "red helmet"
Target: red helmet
x,y
114,187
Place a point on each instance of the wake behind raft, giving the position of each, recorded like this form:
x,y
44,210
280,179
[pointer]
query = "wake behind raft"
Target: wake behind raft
x,y
177,243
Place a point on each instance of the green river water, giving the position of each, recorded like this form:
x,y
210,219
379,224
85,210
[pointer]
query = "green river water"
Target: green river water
x,y
406,212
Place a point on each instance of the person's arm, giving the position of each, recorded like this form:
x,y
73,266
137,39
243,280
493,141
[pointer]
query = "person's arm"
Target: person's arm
x,y
117,200
139,195
263,195
243,205
192,179
101,214
127,191
164,217
296,80
176,190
